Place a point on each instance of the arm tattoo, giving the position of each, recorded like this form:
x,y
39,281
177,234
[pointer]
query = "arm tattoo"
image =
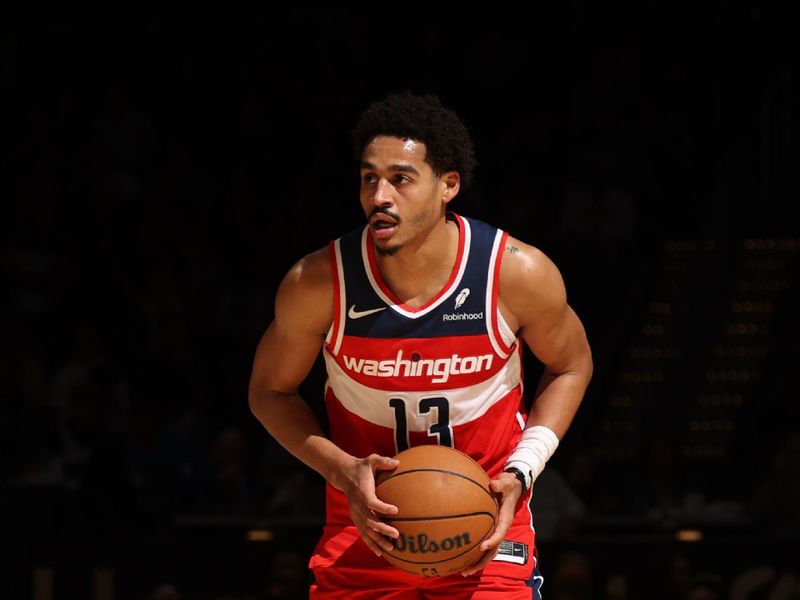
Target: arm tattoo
x,y
512,249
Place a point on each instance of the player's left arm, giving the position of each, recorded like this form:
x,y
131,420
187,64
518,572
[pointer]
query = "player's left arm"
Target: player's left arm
x,y
533,301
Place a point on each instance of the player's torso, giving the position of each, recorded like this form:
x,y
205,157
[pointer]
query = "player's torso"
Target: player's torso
x,y
447,372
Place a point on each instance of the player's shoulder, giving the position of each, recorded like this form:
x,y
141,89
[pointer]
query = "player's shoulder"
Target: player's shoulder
x,y
308,278
525,264
312,269
304,300
530,283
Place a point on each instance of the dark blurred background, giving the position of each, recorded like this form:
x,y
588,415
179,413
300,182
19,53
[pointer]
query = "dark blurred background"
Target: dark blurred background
x,y
162,171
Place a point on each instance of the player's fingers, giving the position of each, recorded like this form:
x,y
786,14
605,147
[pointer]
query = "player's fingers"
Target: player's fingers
x,y
493,541
504,520
382,463
504,486
505,516
378,506
367,485
481,564
377,542
383,528
372,544
492,544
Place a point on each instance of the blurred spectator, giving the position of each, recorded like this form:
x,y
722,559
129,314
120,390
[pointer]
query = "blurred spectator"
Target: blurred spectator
x,y
661,483
777,495
616,588
766,582
600,493
680,577
89,399
558,509
573,578
226,491
165,591
706,586
288,575
297,493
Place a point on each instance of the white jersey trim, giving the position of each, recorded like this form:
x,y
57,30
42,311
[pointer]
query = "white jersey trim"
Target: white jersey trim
x,y
337,343
505,330
521,421
490,292
466,232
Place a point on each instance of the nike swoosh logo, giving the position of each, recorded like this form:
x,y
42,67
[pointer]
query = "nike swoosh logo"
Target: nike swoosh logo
x,y
357,314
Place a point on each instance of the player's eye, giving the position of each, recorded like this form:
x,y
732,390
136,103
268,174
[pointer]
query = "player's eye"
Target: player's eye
x,y
402,179
369,178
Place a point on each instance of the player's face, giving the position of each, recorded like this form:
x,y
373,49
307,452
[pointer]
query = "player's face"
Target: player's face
x,y
402,197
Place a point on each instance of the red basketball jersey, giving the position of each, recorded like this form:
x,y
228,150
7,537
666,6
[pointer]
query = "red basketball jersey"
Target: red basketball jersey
x,y
448,373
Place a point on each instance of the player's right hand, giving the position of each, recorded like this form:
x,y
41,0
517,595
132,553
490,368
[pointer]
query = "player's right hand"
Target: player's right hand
x,y
365,507
507,487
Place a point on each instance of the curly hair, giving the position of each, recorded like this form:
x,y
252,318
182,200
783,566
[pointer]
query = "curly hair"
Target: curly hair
x,y
448,144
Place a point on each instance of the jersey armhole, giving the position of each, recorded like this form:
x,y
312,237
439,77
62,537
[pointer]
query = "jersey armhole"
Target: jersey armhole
x,y
500,334
333,339
505,329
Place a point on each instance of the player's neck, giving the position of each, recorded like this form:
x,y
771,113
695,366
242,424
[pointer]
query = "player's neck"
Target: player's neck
x,y
417,272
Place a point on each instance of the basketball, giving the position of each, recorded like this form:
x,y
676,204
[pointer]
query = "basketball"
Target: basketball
x,y
445,510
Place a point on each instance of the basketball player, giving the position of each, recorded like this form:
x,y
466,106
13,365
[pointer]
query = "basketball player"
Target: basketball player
x,y
420,315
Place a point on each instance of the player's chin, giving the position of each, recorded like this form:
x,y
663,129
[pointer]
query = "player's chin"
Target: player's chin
x,y
387,249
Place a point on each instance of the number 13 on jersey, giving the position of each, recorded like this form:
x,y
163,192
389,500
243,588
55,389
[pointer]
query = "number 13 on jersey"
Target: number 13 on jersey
x,y
441,428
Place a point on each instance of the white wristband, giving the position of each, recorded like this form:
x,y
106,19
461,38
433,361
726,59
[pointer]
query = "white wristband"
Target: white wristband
x,y
535,447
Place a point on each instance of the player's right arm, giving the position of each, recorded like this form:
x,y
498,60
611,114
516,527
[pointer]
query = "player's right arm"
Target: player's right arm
x,y
285,355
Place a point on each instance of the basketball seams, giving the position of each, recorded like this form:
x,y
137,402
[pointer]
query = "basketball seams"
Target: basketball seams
x,y
446,471
440,518
431,562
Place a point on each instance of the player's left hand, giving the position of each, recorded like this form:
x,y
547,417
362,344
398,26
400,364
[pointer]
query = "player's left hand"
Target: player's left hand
x,y
508,489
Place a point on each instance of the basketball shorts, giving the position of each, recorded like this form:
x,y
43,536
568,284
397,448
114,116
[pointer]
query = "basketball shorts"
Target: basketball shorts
x,y
345,568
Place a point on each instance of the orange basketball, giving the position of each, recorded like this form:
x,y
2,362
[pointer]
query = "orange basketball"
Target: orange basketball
x,y
445,510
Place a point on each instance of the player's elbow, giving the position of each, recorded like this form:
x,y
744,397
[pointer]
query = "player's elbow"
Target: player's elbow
x,y
254,401
262,400
584,365
258,400
580,366
588,364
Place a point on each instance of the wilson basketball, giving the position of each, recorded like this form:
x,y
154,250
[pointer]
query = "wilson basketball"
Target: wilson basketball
x,y
445,510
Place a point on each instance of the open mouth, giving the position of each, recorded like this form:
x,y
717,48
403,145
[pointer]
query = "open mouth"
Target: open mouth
x,y
382,220
382,225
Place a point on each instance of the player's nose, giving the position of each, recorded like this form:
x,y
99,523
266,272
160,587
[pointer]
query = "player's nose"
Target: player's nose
x,y
383,193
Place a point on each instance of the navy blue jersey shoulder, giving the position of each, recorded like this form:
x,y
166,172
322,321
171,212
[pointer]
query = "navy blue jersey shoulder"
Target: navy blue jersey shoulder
x,y
461,313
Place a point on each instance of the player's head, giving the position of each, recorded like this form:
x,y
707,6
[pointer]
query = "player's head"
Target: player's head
x,y
421,118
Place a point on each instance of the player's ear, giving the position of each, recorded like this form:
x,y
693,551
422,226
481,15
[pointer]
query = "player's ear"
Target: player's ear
x,y
450,184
